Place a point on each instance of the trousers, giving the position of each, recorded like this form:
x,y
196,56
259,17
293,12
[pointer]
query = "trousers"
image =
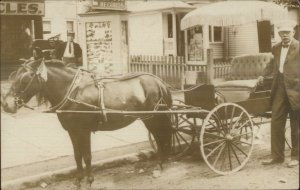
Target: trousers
x,y
281,108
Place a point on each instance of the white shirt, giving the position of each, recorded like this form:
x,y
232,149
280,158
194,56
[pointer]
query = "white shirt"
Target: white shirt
x,y
67,53
283,55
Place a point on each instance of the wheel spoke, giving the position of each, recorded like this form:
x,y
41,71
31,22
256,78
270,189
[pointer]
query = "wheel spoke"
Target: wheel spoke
x,y
183,138
219,154
229,157
214,135
235,154
210,143
232,116
216,148
240,149
243,125
242,142
224,158
178,141
220,123
240,116
217,125
187,131
242,134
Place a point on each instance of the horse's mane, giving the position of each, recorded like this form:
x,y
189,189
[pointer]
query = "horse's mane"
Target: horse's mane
x,y
55,62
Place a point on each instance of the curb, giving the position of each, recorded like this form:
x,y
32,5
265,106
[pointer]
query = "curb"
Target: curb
x,y
66,173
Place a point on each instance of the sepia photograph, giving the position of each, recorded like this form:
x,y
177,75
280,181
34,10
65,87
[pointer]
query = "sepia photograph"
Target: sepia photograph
x,y
150,94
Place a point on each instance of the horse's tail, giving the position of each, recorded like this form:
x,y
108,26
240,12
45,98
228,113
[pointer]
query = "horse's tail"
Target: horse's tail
x,y
166,95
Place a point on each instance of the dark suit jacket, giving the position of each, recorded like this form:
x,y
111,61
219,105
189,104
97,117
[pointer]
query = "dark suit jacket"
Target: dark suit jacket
x,y
61,50
291,72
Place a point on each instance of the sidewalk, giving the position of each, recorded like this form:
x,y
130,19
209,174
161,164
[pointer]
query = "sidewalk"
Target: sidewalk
x,y
33,143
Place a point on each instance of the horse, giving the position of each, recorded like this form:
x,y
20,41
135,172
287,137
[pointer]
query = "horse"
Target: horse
x,y
52,80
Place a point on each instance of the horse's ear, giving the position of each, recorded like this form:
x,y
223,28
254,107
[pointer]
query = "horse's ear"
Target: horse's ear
x,y
42,71
12,75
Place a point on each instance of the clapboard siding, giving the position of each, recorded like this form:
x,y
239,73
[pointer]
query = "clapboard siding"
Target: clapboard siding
x,y
243,40
218,50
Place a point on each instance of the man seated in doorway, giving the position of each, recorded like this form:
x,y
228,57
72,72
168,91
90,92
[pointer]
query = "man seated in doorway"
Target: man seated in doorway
x,y
70,52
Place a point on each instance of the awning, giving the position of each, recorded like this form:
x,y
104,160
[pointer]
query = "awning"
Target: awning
x,y
230,13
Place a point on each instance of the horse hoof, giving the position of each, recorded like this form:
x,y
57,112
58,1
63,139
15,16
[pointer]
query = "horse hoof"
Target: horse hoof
x,y
77,184
90,179
161,166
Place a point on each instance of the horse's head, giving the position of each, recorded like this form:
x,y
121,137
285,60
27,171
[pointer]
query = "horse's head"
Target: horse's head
x,y
27,81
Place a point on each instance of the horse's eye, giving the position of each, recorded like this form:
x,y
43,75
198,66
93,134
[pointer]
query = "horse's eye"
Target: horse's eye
x,y
31,74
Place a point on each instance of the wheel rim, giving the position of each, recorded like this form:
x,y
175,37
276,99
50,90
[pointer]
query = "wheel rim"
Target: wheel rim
x,y
226,138
183,135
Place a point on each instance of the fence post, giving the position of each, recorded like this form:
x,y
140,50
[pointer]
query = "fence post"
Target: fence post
x,y
210,66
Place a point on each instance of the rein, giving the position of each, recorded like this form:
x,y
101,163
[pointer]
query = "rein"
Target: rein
x,y
75,81
19,100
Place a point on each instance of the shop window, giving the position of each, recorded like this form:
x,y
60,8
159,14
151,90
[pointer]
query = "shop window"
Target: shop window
x,y
215,34
46,27
195,44
70,26
170,26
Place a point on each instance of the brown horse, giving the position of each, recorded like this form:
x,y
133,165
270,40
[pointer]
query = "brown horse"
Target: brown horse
x,y
53,80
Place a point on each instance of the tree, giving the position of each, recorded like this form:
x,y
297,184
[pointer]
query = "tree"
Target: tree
x,y
288,3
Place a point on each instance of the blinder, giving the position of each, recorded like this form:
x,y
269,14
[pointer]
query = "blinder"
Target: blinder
x,y
19,96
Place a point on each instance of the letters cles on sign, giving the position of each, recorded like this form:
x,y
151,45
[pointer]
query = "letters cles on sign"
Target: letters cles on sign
x,y
22,8
109,4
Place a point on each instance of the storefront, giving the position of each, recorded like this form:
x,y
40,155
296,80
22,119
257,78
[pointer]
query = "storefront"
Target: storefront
x,y
104,32
21,23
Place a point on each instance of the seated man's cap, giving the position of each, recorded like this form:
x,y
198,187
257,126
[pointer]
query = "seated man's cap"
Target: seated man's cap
x,y
286,25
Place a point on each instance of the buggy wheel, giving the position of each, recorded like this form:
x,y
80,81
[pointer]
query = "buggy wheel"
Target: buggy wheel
x,y
226,138
183,135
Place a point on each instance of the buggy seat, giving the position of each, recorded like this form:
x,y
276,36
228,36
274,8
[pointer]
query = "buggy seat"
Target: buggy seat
x,y
242,79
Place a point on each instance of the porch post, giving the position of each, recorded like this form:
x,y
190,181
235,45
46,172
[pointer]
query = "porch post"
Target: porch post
x,y
210,66
205,42
174,33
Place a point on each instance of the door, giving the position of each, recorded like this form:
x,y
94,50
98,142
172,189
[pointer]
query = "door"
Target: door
x,y
264,36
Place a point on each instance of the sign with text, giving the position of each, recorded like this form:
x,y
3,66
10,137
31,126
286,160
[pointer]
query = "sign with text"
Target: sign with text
x,y
109,4
21,8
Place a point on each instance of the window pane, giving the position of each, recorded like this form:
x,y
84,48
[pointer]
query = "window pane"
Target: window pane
x,y
217,34
210,40
46,27
70,26
195,44
170,26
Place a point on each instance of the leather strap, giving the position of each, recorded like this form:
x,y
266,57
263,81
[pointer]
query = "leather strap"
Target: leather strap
x,y
100,86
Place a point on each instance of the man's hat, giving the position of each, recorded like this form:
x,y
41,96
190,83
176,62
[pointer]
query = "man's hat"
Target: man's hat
x,y
286,25
70,33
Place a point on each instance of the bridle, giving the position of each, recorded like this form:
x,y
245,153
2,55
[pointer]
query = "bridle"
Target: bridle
x,y
19,96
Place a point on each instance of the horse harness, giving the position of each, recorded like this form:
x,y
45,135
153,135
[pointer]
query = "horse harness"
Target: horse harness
x,y
18,96
69,96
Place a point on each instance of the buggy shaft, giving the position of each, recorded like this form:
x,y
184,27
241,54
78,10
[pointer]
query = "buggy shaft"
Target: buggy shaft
x,y
135,112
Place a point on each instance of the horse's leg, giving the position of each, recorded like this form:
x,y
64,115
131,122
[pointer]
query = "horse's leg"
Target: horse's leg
x,y
75,138
87,157
160,127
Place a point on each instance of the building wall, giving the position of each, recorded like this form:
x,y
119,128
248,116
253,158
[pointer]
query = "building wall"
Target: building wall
x,y
218,50
145,34
58,12
243,40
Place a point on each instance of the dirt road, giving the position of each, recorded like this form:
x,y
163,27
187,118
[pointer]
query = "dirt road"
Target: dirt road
x,y
192,173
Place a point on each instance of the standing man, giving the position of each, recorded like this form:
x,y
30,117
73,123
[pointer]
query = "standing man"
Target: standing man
x,y
285,94
70,52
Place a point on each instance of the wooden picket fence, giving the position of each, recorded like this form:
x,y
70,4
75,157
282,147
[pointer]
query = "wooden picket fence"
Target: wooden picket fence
x,y
174,70
170,69
222,69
